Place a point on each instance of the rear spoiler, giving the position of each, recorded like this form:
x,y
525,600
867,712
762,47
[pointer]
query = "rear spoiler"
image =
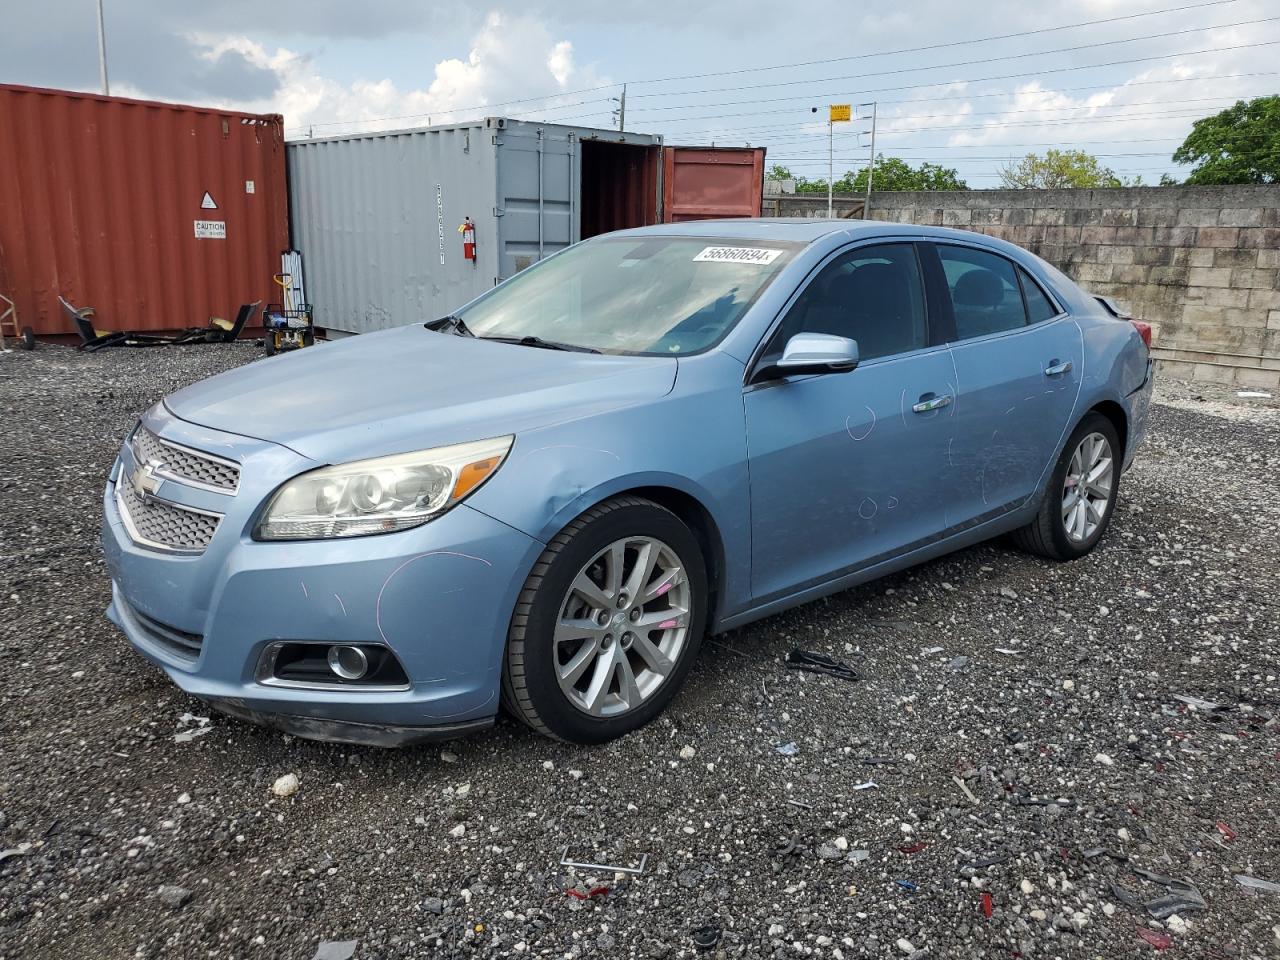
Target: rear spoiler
x,y
1114,308
1122,313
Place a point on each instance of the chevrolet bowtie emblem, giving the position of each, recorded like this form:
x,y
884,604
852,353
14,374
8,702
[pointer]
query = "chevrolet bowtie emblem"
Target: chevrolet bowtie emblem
x,y
144,481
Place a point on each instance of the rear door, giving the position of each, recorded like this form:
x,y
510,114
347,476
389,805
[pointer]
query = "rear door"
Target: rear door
x,y
700,183
1018,360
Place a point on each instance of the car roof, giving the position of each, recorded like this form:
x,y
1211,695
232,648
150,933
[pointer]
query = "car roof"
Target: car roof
x,y
800,230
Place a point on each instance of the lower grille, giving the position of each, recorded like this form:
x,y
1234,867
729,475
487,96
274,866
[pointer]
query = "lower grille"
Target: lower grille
x,y
171,638
163,525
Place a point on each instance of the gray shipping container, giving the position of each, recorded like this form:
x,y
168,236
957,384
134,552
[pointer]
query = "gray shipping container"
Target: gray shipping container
x,y
377,216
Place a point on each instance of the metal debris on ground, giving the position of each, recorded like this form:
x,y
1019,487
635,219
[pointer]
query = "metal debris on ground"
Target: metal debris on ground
x,y
965,787
335,950
1254,883
1203,706
811,662
987,909
603,867
907,885
191,732
788,749
801,804
867,785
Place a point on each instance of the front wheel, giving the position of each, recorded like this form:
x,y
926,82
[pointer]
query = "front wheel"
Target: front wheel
x,y
1081,495
608,624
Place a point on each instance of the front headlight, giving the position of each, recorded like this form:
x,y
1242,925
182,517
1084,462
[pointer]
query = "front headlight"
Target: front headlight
x,y
379,495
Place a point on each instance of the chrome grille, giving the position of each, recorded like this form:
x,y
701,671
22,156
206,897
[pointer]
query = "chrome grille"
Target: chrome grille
x,y
183,463
164,525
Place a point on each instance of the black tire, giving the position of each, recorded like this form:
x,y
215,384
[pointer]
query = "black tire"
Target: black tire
x,y
530,690
28,339
270,342
1046,535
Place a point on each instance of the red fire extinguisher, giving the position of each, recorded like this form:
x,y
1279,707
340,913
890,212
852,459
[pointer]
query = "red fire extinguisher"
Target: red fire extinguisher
x,y
468,231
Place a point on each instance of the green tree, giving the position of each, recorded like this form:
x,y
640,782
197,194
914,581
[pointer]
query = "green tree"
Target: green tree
x,y
895,174
1239,145
1056,169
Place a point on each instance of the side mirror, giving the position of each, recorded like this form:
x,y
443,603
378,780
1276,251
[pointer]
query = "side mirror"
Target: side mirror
x,y
812,353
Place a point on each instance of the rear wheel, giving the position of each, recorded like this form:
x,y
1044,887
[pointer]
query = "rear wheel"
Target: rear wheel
x,y
608,623
1081,495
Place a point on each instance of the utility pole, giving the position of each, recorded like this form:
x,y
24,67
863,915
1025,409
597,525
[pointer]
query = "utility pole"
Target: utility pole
x,y
831,166
871,167
622,108
102,52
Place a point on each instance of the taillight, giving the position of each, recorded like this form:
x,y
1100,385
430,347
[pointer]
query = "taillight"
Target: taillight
x,y
1144,331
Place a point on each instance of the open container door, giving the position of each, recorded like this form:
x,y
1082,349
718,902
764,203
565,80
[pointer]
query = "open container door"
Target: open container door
x,y
701,183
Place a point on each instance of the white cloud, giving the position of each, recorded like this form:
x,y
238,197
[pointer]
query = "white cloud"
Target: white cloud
x,y
511,58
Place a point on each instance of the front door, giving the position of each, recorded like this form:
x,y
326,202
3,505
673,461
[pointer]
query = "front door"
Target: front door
x,y
844,466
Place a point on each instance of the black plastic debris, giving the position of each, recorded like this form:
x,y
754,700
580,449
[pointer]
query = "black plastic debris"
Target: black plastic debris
x,y
706,936
1183,897
811,662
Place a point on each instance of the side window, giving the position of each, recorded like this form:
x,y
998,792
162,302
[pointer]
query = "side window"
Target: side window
x,y
984,291
872,295
1039,307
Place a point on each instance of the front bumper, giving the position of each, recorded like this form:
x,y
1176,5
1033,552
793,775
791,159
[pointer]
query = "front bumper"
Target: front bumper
x,y
439,596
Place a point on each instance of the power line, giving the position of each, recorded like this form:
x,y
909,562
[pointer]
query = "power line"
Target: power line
x,y
1005,76
932,46
940,66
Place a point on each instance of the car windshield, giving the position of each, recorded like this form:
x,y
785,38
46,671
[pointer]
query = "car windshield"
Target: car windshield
x,y
635,295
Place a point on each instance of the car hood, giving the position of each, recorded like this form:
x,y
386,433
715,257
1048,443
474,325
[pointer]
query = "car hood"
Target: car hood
x,y
409,388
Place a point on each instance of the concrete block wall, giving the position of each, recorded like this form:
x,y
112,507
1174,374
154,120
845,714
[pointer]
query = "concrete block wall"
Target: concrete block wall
x,y
1201,264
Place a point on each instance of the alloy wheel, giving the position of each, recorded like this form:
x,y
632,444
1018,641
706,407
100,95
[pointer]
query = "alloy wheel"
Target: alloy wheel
x,y
622,626
1086,493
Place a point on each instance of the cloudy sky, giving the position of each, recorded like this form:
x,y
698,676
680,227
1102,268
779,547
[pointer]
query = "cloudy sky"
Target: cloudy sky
x,y
1121,78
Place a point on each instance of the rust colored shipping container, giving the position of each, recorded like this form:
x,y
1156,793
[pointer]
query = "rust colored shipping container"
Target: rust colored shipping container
x,y
703,182
156,215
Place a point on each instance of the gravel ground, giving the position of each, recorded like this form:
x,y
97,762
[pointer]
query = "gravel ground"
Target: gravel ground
x,y
1020,722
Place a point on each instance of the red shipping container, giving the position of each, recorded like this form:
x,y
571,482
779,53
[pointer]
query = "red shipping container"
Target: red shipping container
x,y
158,216
699,183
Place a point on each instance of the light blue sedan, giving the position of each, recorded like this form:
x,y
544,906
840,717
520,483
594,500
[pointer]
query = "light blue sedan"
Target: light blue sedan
x,y
545,501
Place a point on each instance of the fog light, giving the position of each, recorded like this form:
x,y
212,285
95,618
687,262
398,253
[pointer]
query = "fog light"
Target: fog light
x,y
349,663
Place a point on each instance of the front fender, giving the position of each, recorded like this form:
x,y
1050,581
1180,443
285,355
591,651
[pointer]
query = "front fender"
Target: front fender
x,y
691,441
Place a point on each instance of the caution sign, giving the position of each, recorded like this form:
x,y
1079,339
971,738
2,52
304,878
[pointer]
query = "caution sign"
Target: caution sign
x,y
211,229
840,113
206,202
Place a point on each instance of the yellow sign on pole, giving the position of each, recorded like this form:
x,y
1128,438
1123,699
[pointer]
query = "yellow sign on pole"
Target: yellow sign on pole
x,y
840,113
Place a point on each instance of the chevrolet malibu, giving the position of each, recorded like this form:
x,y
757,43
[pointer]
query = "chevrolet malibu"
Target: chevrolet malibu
x,y
544,501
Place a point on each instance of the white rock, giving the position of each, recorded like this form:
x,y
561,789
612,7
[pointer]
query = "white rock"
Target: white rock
x,y
1109,909
463,790
1038,915
576,774
448,756
1177,925
906,946
687,753
841,843
1123,834
459,831
776,930
285,786
1028,887
184,798
548,765
1103,759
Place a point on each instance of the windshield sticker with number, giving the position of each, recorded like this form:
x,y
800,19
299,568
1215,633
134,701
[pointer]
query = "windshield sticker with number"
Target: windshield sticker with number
x,y
760,255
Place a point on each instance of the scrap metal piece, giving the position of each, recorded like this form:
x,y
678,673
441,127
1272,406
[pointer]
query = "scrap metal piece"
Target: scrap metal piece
x,y
605,867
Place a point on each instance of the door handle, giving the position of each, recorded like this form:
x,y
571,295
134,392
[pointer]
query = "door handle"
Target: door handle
x,y
1057,369
934,403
